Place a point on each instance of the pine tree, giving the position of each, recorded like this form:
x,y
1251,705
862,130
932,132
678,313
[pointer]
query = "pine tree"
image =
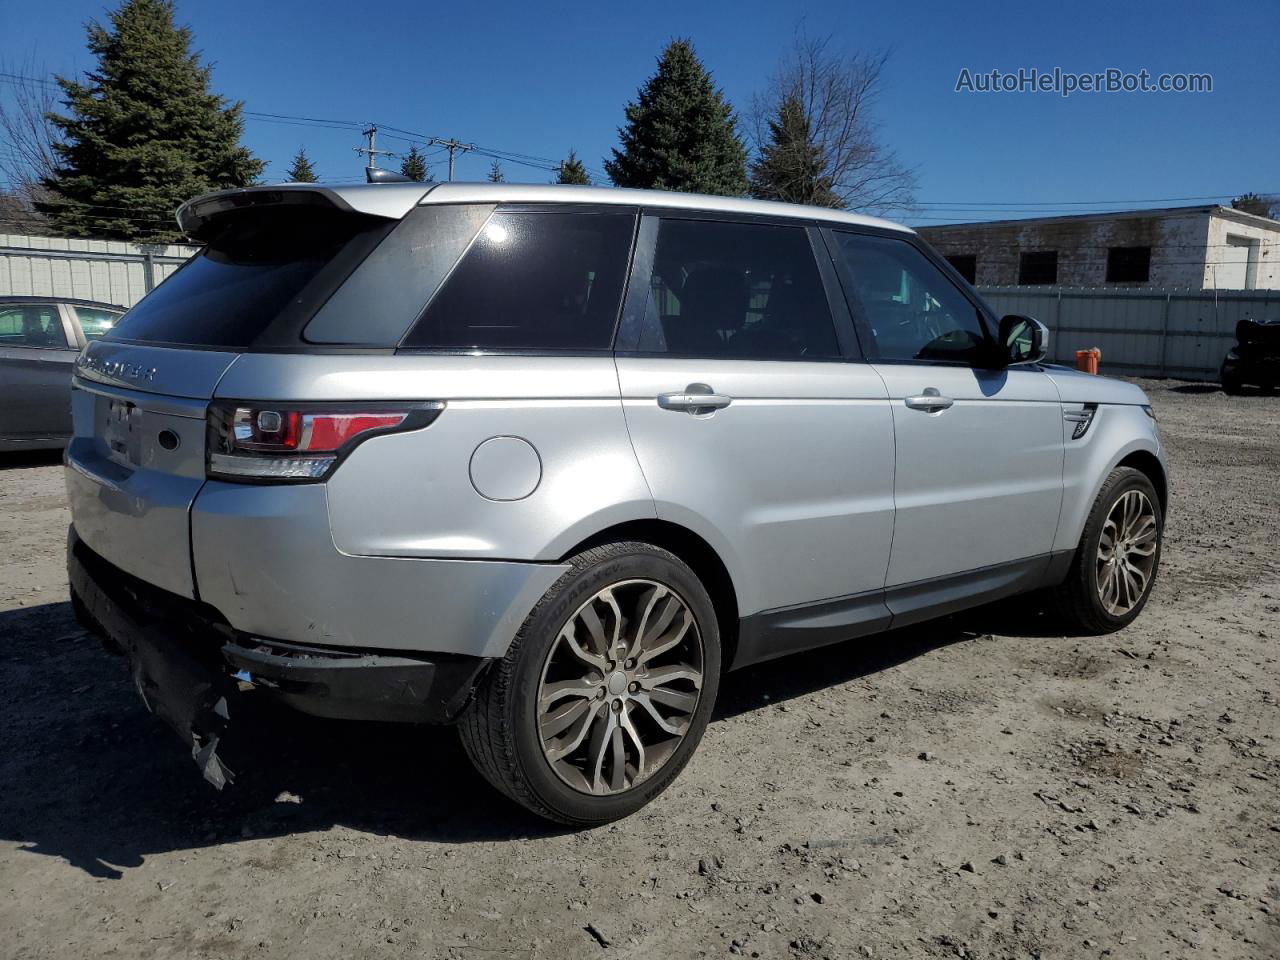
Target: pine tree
x,y
1257,205
414,165
144,133
572,171
790,166
301,171
680,134
495,172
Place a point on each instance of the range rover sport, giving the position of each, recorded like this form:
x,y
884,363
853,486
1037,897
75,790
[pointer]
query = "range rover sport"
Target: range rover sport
x,y
546,461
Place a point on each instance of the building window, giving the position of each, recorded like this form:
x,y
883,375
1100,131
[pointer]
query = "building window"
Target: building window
x,y
1038,267
1128,264
966,265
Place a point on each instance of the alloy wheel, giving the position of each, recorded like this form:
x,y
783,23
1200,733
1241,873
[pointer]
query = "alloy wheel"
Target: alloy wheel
x,y
1126,553
620,686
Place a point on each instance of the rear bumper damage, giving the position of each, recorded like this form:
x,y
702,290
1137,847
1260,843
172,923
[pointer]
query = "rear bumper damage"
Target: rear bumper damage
x,y
191,667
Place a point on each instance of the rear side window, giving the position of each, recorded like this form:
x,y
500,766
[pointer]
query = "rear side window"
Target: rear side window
x,y
532,281
736,290
256,264
96,323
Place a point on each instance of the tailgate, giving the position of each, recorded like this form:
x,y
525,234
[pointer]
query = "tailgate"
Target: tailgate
x,y
136,458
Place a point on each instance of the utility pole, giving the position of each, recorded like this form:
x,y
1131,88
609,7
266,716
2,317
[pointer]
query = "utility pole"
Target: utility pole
x,y
371,149
452,145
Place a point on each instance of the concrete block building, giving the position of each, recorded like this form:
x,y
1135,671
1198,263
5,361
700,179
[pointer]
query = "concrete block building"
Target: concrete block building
x,y
1200,248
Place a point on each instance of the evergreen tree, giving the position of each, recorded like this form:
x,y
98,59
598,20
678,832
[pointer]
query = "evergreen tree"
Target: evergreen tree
x,y
680,133
1257,205
301,171
495,172
572,171
414,165
144,133
790,166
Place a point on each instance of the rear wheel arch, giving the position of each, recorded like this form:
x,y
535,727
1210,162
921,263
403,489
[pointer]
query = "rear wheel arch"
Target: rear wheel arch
x,y
701,557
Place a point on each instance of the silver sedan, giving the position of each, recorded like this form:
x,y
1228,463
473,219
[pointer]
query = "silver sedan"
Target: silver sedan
x,y
40,338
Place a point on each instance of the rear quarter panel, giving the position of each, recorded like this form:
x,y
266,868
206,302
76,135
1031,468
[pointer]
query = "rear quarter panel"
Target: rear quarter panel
x,y
411,494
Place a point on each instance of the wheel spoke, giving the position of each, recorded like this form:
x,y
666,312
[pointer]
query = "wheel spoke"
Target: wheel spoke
x,y
595,629
565,747
678,699
663,675
581,687
667,725
586,656
669,640
1107,541
637,743
647,603
556,721
598,750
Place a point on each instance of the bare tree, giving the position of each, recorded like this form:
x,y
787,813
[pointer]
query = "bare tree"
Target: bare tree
x,y
28,137
837,93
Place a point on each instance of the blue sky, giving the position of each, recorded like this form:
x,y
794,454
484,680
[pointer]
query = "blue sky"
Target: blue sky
x,y
537,79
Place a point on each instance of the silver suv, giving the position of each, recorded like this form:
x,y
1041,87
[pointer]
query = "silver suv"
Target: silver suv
x,y
546,461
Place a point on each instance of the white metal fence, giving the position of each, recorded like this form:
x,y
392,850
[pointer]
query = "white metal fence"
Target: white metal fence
x,y
105,270
1155,333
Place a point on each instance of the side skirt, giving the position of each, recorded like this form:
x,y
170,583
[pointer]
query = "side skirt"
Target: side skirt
x,y
775,633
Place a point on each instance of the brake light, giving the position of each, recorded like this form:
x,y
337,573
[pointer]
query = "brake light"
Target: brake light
x,y
299,442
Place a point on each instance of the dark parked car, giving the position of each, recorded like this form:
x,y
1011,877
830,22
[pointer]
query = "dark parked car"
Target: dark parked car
x,y
1255,358
40,338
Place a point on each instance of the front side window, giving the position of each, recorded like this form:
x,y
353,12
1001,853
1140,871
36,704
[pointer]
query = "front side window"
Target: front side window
x,y
32,325
736,290
532,281
909,307
96,323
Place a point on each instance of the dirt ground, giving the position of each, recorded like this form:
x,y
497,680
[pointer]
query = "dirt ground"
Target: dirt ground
x,y
978,787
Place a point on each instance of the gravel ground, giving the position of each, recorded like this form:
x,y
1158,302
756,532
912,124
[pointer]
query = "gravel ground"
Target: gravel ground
x,y
978,787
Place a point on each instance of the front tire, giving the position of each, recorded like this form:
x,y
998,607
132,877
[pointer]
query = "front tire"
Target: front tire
x,y
1117,559
605,691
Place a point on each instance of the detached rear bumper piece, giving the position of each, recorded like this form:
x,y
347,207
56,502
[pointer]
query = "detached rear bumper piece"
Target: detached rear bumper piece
x,y
191,667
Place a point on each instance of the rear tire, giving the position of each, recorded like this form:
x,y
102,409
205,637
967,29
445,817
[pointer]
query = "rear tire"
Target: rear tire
x,y
598,704
1230,381
1100,594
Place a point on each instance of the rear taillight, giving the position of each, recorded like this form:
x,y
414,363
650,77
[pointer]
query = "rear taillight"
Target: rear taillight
x,y
302,442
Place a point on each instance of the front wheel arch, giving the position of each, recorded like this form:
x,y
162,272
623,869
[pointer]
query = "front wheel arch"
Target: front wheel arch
x,y
1147,463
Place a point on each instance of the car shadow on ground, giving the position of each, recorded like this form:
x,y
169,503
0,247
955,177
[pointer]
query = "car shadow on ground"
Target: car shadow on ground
x,y
93,779
21,459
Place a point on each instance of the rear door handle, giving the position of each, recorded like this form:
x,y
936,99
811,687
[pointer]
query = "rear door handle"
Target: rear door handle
x,y
695,398
931,401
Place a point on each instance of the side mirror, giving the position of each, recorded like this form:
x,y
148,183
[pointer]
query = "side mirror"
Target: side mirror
x,y
1022,340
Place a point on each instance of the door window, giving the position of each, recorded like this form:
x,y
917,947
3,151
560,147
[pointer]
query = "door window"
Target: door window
x,y
909,307
736,290
32,325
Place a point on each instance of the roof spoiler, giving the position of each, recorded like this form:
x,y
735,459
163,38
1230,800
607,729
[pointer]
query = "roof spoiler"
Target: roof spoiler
x,y
391,202
378,175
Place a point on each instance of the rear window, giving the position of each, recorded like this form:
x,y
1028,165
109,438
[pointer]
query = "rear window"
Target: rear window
x,y
255,265
532,281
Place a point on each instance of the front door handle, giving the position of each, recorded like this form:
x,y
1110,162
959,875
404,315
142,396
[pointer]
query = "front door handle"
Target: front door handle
x,y
695,398
931,401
